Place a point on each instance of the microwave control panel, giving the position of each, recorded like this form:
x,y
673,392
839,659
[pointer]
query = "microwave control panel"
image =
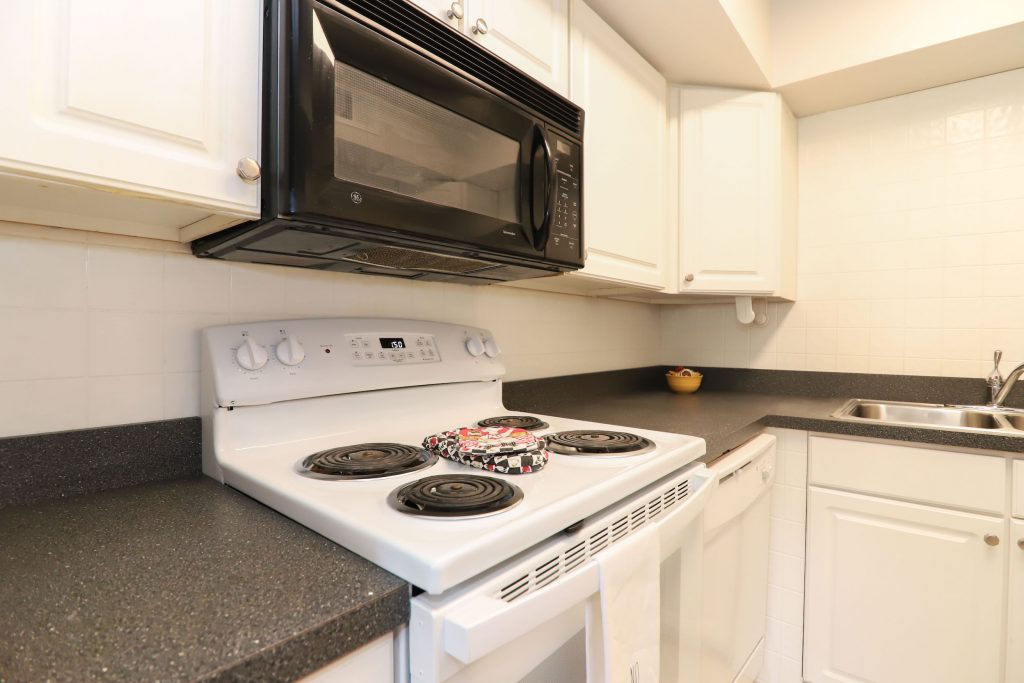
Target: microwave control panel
x,y
564,242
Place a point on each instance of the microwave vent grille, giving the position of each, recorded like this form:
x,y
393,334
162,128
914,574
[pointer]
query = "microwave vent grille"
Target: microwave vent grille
x,y
579,554
398,258
413,25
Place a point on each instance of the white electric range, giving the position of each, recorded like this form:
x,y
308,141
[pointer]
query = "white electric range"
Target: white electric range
x,y
308,416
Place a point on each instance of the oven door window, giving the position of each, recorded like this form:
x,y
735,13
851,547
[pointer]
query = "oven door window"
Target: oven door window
x,y
390,139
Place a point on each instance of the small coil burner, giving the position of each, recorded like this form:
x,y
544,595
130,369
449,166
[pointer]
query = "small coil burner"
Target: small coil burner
x,y
597,442
366,461
528,422
455,496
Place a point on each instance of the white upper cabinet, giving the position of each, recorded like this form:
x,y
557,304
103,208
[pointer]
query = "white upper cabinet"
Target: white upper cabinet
x,y
625,163
737,193
157,100
532,35
448,11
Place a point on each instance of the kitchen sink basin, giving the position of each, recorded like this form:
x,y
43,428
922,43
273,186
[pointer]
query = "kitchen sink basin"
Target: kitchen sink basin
x,y
1016,420
936,416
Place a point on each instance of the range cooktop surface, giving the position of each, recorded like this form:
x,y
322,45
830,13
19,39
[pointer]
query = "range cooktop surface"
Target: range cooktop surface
x,y
350,464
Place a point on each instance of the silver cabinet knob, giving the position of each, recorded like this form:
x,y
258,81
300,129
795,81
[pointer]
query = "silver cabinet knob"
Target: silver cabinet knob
x,y
248,169
456,11
480,27
992,540
689,277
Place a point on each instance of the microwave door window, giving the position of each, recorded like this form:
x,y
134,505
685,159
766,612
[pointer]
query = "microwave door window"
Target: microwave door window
x,y
390,139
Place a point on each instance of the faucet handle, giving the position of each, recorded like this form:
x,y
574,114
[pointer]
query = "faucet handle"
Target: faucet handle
x,y
995,378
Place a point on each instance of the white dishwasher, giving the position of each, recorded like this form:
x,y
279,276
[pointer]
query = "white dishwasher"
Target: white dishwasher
x,y
735,595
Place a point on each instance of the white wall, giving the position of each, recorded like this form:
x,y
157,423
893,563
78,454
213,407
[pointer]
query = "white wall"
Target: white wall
x,y
814,37
783,661
911,254
102,330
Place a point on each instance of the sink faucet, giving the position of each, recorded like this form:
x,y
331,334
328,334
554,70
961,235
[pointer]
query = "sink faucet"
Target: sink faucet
x,y
1002,391
995,378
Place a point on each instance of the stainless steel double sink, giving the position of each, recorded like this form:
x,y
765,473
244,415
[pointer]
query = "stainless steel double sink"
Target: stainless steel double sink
x,y
935,416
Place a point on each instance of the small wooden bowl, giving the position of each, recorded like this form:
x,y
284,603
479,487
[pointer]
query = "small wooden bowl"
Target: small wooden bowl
x,y
684,385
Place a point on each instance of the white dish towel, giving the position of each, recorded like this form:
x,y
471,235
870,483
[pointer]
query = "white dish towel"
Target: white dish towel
x,y
623,625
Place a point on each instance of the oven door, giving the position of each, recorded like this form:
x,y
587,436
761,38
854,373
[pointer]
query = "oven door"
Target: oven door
x,y
526,621
381,136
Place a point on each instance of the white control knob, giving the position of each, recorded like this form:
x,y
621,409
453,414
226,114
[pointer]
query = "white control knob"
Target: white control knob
x,y
290,351
251,356
474,346
491,348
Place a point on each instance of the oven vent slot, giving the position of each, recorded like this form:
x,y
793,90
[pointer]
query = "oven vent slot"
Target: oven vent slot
x,y
547,572
516,589
599,541
577,555
411,24
638,518
620,528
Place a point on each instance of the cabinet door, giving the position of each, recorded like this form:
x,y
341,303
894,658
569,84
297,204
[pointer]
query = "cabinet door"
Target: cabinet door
x,y
901,593
530,34
1015,642
160,99
730,194
624,167
440,8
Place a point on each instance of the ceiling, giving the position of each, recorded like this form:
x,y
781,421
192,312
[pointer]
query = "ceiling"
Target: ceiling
x,y
823,54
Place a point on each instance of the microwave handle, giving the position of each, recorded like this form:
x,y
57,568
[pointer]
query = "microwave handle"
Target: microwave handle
x,y
484,623
542,231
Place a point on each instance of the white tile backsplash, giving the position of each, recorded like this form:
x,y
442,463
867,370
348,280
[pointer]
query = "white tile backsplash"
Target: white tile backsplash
x,y
96,333
911,243
784,635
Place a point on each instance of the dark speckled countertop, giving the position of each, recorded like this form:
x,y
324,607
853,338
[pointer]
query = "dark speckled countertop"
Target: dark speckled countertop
x,y
734,405
184,580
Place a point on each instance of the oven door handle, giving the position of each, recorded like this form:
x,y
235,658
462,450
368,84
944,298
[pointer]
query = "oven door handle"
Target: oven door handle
x,y
541,227
484,623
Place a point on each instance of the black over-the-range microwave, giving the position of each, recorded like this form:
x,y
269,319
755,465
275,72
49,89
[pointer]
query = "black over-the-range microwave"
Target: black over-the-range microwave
x,y
394,145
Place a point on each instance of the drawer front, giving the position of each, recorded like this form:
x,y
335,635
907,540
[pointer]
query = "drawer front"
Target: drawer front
x,y
926,475
1018,488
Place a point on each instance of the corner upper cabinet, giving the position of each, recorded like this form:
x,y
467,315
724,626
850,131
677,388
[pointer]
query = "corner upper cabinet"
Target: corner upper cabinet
x,y
737,199
625,163
532,35
142,101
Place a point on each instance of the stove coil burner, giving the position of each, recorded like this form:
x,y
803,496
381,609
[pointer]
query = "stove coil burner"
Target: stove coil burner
x,y
366,461
455,496
528,422
597,442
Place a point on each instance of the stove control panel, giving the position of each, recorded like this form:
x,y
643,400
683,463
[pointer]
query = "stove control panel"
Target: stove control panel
x,y
368,349
268,361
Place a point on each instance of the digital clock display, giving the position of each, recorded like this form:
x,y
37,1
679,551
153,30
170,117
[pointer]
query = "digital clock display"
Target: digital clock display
x,y
392,343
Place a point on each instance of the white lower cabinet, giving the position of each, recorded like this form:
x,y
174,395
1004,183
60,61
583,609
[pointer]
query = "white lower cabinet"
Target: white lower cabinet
x,y
898,592
372,663
1015,639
